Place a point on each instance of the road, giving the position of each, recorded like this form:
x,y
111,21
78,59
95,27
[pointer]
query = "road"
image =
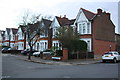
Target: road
x,y
16,68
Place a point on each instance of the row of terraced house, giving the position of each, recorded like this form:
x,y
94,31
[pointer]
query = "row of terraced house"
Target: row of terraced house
x,y
96,29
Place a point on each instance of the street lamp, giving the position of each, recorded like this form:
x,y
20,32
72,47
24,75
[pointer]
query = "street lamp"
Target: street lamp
x,y
110,47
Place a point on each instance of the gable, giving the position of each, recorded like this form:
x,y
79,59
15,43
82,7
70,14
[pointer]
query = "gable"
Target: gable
x,y
6,33
46,22
1,35
81,17
19,30
55,23
11,32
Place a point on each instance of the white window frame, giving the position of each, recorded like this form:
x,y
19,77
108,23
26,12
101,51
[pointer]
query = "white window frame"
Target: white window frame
x,y
88,28
84,28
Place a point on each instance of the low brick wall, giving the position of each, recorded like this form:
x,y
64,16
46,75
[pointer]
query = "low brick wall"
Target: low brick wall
x,y
65,54
48,57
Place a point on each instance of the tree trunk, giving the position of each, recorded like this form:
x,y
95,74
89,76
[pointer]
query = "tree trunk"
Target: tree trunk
x,y
29,56
77,54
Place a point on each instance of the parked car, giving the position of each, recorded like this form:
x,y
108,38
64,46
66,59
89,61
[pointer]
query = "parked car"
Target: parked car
x,y
36,54
5,50
26,51
12,49
44,52
111,56
47,51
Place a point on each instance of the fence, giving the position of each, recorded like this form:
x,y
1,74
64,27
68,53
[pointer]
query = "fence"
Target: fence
x,y
81,55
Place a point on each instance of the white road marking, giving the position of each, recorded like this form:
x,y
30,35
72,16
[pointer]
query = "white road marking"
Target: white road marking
x,y
6,76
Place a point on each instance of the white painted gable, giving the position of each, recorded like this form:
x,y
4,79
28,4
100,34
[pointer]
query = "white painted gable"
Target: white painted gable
x,y
0,36
20,33
19,30
11,33
6,32
55,23
81,17
6,35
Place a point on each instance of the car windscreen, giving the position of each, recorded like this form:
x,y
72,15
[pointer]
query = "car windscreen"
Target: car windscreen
x,y
108,53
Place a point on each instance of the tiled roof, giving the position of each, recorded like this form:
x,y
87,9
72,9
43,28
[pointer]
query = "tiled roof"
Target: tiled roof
x,y
46,22
33,27
72,21
8,30
90,15
14,30
65,21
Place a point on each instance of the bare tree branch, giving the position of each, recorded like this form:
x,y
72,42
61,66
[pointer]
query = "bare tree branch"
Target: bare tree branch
x,y
35,40
32,36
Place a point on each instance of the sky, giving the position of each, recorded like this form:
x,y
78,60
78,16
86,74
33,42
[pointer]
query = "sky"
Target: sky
x,y
11,11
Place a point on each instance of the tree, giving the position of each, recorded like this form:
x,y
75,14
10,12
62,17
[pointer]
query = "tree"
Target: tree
x,y
65,35
28,21
70,39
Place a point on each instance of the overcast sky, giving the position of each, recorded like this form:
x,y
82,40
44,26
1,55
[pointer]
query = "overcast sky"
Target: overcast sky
x,y
12,10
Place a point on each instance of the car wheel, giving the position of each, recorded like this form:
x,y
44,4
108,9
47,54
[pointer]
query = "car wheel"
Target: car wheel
x,y
114,60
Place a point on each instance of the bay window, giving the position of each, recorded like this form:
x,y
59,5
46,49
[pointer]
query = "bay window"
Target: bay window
x,y
84,27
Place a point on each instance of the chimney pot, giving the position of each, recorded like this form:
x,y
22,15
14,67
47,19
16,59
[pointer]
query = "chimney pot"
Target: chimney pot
x,y
64,16
99,11
108,14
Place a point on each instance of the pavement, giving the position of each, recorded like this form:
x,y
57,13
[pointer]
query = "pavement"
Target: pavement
x,y
54,62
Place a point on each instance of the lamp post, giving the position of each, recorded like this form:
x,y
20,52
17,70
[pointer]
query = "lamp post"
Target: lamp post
x,y
110,47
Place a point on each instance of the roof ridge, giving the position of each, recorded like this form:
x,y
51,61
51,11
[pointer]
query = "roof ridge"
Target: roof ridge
x,y
89,15
88,11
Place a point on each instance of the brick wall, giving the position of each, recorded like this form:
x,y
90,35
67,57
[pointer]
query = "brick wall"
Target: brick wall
x,y
100,46
65,54
103,34
104,29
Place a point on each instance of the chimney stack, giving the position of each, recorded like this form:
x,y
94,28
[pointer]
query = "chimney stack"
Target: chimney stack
x,y
99,11
64,16
108,14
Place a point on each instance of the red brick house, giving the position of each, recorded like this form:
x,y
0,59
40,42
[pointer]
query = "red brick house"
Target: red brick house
x,y
21,40
13,35
59,22
117,40
1,37
97,30
44,40
6,40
